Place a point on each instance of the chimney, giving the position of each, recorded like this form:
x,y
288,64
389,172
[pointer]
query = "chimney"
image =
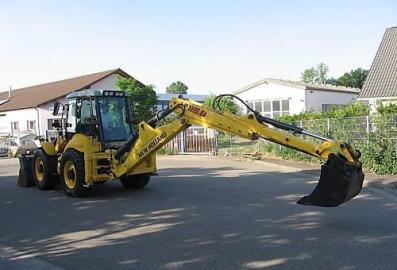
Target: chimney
x,y
9,92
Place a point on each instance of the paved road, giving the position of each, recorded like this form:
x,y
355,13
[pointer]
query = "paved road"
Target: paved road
x,y
200,213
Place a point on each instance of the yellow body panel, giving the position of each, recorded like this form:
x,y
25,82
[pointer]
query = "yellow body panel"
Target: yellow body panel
x,y
86,145
91,149
49,148
246,126
150,140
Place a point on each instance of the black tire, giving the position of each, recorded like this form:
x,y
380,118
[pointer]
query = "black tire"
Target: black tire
x,y
99,182
44,170
136,181
72,174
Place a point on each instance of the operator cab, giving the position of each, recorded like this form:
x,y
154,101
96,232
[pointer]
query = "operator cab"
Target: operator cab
x,y
99,112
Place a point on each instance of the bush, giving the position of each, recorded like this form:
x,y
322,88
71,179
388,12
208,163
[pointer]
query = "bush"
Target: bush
x,y
378,146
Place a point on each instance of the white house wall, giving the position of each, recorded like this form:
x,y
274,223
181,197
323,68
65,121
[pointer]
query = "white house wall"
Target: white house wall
x,y
45,113
271,91
22,116
315,99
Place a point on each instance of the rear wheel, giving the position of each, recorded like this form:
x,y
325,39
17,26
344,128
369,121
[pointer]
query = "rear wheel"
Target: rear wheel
x,y
135,181
44,170
72,174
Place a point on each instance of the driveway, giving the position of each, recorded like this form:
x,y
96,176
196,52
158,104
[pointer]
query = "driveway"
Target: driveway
x,y
199,213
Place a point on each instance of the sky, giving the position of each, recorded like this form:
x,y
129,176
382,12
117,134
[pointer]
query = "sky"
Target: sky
x,y
211,46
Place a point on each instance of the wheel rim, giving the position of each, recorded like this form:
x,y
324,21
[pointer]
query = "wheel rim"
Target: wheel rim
x,y
69,174
39,169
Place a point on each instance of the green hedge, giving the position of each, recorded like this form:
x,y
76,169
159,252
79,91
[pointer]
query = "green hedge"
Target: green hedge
x,y
378,143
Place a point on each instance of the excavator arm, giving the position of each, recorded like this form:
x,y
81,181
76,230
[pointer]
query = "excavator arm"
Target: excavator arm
x,y
341,176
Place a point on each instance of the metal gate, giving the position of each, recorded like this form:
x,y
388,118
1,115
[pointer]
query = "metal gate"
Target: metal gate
x,y
194,140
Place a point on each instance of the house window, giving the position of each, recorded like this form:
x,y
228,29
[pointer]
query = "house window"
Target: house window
x,y
276,108
30,125
328,107
15,125
251,105
14,128
258,106
267,108
285,107
271,108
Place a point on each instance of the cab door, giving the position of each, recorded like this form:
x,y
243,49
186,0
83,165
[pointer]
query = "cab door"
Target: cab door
x,y
71,119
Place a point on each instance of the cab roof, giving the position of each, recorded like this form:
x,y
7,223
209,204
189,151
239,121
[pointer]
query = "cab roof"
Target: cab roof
x,y
97,93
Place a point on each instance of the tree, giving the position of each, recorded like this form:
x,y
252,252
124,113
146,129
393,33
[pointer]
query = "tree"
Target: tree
x,y
309,75
316,74
177,87
226,103
322,70
142,98
355,78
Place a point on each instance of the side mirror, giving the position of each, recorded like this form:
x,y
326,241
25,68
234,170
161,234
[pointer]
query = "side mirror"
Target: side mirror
x,y
56,108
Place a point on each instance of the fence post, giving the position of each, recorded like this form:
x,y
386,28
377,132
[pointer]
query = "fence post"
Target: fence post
x,y
215,142
182,141
396,146
367,124
328,125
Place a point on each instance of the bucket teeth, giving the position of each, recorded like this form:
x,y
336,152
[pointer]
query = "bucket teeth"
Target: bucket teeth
x,y
339,182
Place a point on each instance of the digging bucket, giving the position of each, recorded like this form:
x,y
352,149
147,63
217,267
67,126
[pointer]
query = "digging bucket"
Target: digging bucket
x,y
340,181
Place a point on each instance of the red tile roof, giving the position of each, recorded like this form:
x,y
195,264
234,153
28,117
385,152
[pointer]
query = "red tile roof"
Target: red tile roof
x,y
32,96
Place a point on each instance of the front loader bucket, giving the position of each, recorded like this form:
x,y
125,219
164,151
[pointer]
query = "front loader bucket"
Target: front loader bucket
x,y
339,182
25,177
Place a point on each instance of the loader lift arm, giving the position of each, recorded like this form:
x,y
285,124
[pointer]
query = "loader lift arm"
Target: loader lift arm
x,y
341,176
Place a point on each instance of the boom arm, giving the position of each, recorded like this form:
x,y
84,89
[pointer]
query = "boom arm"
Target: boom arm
x,y
251,126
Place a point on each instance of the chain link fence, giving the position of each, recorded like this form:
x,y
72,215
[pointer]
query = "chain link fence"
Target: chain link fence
x,y
375,136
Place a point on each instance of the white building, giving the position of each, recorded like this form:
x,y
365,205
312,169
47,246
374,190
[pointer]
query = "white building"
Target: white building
x,y
274,97
29,109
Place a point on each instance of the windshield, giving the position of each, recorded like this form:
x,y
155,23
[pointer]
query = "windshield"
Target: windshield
x,y
114,115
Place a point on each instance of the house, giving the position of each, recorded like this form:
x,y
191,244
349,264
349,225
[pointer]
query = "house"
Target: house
x,y
380,85
29,109
275,97
164,99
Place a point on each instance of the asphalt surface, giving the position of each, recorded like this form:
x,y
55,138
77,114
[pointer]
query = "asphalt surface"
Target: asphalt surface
x,y
199,213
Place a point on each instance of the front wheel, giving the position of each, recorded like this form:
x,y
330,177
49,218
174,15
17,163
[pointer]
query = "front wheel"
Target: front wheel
x,y
44,170
135,181
72,173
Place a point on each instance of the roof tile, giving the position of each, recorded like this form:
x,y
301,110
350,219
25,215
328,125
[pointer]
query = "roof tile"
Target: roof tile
x,y
382,77
32,96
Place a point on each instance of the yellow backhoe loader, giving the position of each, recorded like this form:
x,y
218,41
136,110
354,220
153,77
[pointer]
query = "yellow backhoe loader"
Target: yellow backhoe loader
x,y
98,142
